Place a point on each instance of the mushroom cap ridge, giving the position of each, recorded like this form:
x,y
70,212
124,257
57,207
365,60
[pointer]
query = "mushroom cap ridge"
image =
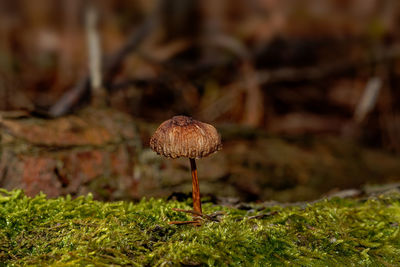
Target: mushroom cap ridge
x,y
183,136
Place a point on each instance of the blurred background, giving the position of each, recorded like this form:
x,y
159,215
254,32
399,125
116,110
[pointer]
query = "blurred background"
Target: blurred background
x,y
304,94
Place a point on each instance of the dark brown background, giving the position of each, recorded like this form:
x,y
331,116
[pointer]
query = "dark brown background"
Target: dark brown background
x,y
281,80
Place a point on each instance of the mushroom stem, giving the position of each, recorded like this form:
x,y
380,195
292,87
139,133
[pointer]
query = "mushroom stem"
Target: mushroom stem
x,y
195,187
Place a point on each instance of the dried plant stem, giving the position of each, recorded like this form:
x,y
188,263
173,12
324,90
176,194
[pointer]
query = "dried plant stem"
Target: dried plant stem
x,y
94,51
196,223
368,99
195,187
72,97
190,211
211,217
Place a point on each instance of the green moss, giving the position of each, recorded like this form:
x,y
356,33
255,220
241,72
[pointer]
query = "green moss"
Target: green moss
x,y
84,232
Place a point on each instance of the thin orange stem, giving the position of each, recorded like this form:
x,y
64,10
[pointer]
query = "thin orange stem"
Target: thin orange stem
x,y
195,187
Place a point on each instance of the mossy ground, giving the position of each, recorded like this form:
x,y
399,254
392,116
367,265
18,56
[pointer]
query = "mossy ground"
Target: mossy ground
x,y
84,232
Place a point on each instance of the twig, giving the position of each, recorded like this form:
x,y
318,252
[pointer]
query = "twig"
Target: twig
x,y
368,99
189,211
223,104
136,38
254,105
211,217
94,52
197,223
111,67
262,216
323,71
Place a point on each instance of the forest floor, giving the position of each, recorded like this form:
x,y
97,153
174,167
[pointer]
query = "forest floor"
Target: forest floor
x,y
40,231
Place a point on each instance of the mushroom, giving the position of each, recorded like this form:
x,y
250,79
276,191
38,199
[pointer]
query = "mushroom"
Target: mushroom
x,y
183,136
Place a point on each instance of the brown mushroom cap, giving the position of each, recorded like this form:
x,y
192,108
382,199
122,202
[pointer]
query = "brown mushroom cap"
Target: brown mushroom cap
x,y
182,136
